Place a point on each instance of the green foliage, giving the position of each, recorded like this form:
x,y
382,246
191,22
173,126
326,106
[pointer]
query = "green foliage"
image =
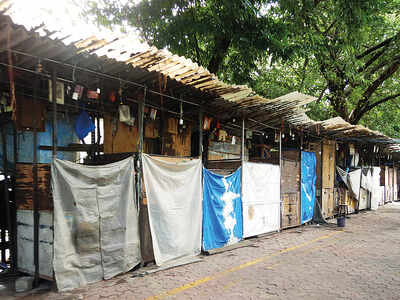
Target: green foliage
x,y
344,52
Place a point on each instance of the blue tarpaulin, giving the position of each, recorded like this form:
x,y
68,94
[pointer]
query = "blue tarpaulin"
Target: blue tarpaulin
x,y
308,177
222,209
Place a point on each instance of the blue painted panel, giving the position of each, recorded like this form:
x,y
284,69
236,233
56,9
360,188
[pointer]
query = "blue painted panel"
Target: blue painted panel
x,y
308,177
65,136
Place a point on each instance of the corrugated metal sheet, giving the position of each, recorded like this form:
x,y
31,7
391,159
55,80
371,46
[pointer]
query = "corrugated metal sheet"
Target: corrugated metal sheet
x,y
184,77
339,129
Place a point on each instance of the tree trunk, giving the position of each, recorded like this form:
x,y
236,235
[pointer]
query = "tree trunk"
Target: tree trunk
x,y
220,50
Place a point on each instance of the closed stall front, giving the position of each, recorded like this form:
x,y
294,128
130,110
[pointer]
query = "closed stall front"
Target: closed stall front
x,y
290,185
328,179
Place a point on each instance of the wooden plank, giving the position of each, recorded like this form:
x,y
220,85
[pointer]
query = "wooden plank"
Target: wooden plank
x,y
328,203
328,164
290,209
24,187
126,137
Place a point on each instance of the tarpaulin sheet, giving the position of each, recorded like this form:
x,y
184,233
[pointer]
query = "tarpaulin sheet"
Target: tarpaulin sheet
x,y
261,198
354,180
308,177
174,202
222,209
96,232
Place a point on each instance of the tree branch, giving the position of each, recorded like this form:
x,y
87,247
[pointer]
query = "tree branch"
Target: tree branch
x,y
383,100
303,74
377,83
358,115
371,61
376,47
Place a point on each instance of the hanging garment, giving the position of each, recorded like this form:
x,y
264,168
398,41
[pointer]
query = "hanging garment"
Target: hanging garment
x,y
261,198
125,115
308,177
96,232
84,125
222,209
174,202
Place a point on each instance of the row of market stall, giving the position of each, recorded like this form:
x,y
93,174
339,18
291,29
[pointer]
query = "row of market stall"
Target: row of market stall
x,y
113,158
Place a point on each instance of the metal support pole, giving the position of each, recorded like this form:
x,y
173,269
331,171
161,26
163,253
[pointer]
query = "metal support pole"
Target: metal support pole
x,y
35,199
140,148
280,175
243,140
6,194
54,97
201,134
393,182
359,192
14,249
141,122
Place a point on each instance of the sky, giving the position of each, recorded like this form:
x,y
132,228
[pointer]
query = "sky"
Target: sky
x,y
65,17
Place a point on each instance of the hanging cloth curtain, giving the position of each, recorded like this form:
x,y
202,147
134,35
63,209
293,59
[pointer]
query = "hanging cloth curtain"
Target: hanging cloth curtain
x,y
222,209
173,191
261,198
96,232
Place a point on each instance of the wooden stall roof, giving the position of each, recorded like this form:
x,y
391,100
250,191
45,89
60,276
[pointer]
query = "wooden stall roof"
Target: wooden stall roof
x,y
184,77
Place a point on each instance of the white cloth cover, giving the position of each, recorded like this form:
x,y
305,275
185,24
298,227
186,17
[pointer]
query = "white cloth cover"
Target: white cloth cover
x,y
376,188
174,196
96,232
354,178
261,198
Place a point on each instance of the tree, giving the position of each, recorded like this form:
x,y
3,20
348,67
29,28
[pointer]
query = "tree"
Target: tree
x,y
228,37
354,45
345,52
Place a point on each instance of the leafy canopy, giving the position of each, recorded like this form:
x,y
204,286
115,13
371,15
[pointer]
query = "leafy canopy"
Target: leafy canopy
x,y
345,52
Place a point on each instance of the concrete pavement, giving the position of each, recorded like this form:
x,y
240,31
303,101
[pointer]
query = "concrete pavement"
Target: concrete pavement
x,y
362,261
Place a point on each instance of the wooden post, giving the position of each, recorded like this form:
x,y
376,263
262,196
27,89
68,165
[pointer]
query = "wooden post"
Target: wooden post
x,y
201,134
54,97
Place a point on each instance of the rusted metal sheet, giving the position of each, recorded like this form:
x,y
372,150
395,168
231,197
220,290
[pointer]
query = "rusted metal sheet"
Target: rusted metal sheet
x,y
30,114
223,167
24,187
290,178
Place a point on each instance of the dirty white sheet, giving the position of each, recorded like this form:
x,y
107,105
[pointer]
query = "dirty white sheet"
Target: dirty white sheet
x,y
174,196
261,198
96,232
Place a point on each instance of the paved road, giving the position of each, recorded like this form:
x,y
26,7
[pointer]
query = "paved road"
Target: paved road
x,y
310,262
